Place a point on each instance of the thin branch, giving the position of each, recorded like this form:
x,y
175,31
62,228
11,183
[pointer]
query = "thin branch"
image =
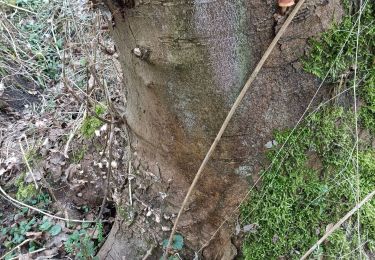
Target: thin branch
x,y
79,100
28,165
41,211
358,191
71,135
16,247
338,224
148,253
30,253
109,171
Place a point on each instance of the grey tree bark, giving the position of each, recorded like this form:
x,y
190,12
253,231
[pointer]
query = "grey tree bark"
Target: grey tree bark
x,y
184,63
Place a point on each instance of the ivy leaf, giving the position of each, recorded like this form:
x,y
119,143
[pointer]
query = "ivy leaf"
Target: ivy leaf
x,y
55,230
45,226
177,244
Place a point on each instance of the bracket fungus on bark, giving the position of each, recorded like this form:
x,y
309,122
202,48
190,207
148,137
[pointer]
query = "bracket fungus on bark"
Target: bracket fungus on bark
x,y
284,4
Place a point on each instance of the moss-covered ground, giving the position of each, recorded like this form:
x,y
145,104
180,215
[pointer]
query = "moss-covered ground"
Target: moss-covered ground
x,y
313,179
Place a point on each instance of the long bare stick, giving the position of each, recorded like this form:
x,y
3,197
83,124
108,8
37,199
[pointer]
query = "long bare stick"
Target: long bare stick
x,y
229,117
41,211
338,224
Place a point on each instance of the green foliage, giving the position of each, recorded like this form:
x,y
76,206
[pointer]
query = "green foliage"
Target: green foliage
x,y
367,112
26,191
50,227
79,154
329,52
16,233
90,124
328,56
310,187
45,225
99,227
42,200
312,183
40,43
55,230
177,243
82,245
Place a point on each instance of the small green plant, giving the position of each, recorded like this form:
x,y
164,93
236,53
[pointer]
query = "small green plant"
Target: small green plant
x,y
26,191
177,243
39,41
16,234
49,226
79,154
90,124
82,245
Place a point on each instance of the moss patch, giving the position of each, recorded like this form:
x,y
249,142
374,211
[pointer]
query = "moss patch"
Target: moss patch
x,y
335,53
312,182
311,185
90,124
26,191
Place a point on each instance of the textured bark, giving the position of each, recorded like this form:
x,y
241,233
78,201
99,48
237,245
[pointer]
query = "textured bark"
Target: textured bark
x,y
195,58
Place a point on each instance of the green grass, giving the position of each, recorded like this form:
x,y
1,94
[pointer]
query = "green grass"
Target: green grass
x,y
312,182
31,43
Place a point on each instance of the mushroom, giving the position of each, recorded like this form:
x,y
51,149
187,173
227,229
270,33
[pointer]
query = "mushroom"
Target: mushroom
x,y
284,4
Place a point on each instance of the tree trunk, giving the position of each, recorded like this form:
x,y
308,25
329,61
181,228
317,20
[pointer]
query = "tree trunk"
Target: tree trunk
x,y
184,63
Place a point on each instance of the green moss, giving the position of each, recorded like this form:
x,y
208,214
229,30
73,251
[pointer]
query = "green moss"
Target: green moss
x,y
79,154
329,57
90,124
32,156
26,191
127,213
310,186
367,112
312,182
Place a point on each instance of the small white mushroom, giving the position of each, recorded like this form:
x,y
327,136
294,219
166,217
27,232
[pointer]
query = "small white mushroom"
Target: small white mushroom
x,y
114,164
137,52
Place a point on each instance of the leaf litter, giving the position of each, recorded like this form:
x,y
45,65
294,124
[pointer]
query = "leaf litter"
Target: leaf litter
x,y
43,80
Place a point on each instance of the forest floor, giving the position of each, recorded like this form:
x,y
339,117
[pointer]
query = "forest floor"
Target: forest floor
x,y
58,141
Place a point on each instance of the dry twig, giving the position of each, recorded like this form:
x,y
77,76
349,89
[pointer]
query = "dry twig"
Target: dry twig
x,y
28,165
338,224
41,211
16,247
